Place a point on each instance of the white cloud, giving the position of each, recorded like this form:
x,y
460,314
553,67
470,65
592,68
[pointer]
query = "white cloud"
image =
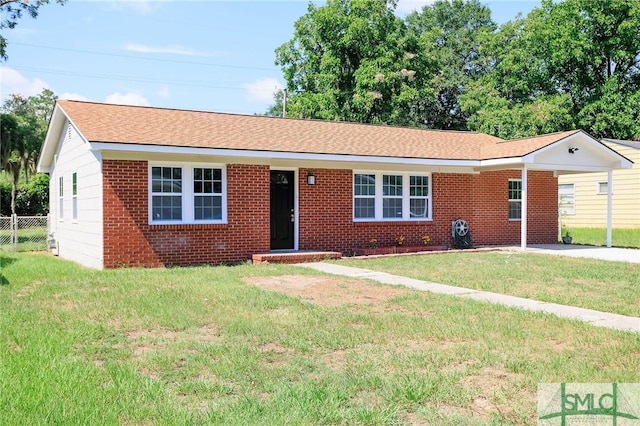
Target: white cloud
x,y
12,82
408,6
262,90
73,97
172,49
130,98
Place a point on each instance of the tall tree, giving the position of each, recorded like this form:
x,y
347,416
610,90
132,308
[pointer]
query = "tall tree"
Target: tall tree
x,y
23,127
568,64
450,33
12,11
12,151
33,114
354,60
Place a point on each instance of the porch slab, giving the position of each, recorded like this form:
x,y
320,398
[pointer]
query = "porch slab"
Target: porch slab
x,y
294,257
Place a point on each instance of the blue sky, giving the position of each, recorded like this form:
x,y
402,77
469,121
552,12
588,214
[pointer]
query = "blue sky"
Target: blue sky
x,y
204,55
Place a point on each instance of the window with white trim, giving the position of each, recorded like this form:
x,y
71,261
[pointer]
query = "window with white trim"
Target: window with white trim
x,y
74,194
419,197
207,189
166,194
391,196
364,196
567,198
187,194
61,197
603,187
515,199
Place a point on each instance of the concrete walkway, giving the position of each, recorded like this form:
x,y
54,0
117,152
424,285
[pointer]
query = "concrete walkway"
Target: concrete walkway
x,y
597,318
592,252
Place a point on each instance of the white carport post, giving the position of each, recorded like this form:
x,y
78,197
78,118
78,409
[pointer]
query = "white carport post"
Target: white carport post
x,y
609,205
523,213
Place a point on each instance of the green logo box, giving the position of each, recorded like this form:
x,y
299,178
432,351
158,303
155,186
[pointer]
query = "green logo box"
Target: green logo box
x,y
572,404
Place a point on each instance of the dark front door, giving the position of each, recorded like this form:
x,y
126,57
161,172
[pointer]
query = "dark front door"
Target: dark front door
x,y
282,209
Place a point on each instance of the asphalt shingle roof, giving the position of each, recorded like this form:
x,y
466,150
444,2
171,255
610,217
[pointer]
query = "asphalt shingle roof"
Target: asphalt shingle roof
x,y
199,129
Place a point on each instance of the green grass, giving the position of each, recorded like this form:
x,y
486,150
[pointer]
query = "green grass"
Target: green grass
x,y
598,236
202,346
586,283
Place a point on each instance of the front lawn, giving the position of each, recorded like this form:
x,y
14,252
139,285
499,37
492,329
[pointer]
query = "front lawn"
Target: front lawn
x,y
586,283
277,344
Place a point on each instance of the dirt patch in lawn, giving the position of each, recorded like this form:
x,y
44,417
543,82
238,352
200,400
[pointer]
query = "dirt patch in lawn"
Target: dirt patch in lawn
x,y
328,291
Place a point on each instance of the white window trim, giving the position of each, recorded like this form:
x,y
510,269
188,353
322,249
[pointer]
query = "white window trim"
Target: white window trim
x,y
568,209
188,214
513,219
406,216
74,197
61,198
598,192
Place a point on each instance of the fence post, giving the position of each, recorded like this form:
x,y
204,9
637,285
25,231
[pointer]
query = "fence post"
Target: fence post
x,y
14,232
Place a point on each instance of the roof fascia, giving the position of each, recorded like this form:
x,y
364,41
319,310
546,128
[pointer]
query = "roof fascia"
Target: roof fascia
x,y
279,155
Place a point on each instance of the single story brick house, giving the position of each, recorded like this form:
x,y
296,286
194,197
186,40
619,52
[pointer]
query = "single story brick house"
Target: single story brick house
x,y
154,187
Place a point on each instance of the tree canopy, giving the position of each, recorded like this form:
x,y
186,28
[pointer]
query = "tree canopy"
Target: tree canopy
x,y
23,127
569,64
12,11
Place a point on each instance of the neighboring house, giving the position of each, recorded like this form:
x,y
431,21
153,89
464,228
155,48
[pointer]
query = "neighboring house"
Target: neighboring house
x,y
583,196
152,187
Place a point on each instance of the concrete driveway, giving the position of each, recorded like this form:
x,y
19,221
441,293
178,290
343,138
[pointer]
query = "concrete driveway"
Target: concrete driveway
x,y
572,250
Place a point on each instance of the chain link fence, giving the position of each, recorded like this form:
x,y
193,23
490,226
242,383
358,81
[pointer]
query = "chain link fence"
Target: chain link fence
x,y
23,233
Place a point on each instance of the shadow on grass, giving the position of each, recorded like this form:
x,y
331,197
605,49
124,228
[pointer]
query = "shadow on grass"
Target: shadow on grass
x,y
5,261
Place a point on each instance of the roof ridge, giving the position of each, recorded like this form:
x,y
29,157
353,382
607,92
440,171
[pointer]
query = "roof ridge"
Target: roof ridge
x,y
315,120
568,132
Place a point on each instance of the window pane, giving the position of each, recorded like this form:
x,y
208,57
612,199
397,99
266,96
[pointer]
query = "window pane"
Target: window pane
x,y
208,207
515,210
166,207
392,208
364,208
418,208
419,186
74,185
391,185
364,185
603,187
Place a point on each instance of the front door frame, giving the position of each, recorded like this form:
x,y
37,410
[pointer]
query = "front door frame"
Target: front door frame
x,y
295,203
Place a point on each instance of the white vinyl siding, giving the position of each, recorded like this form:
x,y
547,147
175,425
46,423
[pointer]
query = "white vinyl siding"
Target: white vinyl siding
x,y
391,196
78,240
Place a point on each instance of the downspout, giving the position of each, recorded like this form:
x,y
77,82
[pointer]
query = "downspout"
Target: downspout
x,y
609,205
524,208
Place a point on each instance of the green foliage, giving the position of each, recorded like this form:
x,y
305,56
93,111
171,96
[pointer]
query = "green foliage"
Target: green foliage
x,y
32,198
570,64
354,60
24,123
567,64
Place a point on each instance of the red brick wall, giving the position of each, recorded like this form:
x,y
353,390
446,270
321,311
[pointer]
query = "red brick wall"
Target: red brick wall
x,y
481,199
325,216
130,240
